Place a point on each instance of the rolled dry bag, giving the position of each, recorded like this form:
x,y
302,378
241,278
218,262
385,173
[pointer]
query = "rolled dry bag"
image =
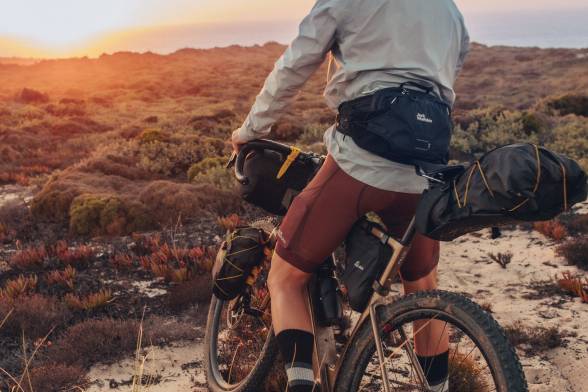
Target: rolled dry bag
x,y
517,182
241,251
275,178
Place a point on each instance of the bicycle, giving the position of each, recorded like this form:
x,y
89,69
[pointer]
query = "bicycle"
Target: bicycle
x,y
379,352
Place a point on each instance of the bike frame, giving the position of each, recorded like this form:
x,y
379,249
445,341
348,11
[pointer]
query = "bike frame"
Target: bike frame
x,y
325,362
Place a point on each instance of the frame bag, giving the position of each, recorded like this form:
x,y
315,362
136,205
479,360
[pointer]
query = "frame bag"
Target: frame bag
x,y
518,182
365,260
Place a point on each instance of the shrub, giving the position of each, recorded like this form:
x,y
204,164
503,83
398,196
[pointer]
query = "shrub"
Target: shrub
x,y
28,95
29,258
205,165
151,135
35,315
198,290
536,339
89,302
570,104
574,285
578,224
18,287
92,341
552,229
501,258
465,374
65,278
55,378
570,137
105,214
575,251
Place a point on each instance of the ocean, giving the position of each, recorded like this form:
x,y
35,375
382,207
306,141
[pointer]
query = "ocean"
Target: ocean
x,y
563,29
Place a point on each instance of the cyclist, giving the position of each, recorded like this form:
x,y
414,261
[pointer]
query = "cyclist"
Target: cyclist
x,y
375,44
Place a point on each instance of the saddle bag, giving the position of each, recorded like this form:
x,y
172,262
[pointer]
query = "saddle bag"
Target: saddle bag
x,y
275,178
242,250
518,182
365,260
401,125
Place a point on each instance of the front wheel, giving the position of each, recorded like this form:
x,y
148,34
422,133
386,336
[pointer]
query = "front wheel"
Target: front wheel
x,y
480,356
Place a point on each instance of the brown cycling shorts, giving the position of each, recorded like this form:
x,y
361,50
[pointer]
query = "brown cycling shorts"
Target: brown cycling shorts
x,y
322,215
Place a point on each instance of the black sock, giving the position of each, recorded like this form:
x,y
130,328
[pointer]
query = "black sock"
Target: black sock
x,y
296,347
436,368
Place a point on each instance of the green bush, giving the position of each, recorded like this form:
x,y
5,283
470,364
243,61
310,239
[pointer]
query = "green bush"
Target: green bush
x,y
212,171
570,137
105,214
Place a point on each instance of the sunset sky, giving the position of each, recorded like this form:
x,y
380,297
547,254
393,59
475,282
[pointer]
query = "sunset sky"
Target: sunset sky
x,y
57,28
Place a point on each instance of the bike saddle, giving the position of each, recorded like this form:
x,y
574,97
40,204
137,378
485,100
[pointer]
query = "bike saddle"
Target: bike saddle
x,y
440,173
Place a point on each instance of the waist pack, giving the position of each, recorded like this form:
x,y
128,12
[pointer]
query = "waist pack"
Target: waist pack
x,y
398,124
519,182
242,250
275,178
365,260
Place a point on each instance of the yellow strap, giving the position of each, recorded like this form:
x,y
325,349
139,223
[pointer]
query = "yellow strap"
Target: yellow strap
x,y
456,195
294,152
519,205
468,185
565,186
538,168
484,178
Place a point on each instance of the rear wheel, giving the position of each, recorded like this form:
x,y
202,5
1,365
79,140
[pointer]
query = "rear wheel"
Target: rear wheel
x,y
480,356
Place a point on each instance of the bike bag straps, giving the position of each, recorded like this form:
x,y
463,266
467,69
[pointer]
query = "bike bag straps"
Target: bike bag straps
x,y
399,124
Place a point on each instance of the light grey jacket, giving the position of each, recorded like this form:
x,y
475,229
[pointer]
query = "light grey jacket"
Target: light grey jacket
x,y
375,44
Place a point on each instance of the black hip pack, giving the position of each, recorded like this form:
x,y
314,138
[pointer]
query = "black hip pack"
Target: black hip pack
x,y
400,124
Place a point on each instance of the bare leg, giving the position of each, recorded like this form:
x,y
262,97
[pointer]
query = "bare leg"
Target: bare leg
x,y
433,339
287,286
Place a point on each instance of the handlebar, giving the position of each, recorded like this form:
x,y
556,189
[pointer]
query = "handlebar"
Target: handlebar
x,y
260,144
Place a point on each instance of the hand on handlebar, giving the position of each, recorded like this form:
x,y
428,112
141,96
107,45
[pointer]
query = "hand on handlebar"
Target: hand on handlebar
x,y
236,141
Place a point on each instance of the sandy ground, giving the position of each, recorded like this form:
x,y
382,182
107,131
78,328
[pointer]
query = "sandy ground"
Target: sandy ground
x,y
174,368
466,267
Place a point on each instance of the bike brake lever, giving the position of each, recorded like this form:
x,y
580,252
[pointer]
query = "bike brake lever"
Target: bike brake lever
x,y
232,160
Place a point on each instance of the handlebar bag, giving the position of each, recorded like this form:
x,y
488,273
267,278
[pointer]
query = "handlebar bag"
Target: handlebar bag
x,y
242,250
517,182
365,260
274,179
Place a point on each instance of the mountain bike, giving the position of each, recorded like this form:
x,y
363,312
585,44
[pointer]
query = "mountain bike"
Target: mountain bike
x,y
378,352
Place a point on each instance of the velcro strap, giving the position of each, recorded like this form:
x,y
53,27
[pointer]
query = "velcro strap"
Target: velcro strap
x,y
294,152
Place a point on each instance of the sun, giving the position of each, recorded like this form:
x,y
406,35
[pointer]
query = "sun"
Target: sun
x,y
58,26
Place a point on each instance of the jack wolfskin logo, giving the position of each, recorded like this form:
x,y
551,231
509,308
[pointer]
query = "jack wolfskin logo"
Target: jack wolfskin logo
x,y
358,265
423,118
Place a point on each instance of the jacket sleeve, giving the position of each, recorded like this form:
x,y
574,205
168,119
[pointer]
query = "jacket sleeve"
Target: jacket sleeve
x,y
304,55
465,49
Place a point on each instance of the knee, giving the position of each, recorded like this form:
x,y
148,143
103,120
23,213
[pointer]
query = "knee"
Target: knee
x,y
284,277
428,282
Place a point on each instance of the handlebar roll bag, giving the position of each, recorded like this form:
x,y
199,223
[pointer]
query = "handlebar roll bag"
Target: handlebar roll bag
x,y
242,250
513,183
274,179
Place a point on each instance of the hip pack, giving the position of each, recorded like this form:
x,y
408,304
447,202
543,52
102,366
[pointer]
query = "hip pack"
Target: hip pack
x,y
399,124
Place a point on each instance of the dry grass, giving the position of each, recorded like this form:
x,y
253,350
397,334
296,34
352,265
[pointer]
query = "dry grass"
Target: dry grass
x,y
503,259
533,340
465,374
574,285
552,229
